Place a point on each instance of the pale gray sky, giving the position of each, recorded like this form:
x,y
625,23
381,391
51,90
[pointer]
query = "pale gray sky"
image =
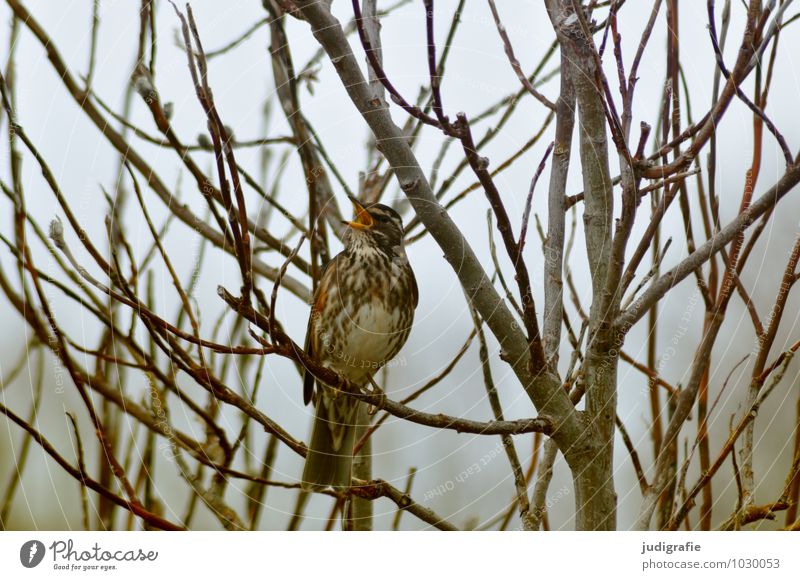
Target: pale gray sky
x,y
478,74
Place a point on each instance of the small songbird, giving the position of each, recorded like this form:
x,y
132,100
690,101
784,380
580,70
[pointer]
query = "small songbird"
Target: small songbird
x,y
361,315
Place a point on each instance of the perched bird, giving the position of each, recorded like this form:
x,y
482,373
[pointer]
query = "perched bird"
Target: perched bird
x,y
361,315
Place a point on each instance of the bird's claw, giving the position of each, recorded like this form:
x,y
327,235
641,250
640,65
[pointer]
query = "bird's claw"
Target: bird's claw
x,y
373,389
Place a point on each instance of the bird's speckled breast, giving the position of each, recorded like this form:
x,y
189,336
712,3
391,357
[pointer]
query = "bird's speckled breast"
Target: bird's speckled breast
x,y
372,320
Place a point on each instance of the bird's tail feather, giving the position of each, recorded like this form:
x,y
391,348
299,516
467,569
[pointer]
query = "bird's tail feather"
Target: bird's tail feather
x,y
328,464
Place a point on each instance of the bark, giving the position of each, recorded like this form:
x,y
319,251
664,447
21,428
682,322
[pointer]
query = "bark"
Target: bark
x,y
595,497
556,218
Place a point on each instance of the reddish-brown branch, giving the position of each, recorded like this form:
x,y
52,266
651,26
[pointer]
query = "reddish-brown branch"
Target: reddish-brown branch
x,y
83,478
480,167
287,348
376,65
513,59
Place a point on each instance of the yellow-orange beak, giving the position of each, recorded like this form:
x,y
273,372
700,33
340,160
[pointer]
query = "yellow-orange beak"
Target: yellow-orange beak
x,y
363,220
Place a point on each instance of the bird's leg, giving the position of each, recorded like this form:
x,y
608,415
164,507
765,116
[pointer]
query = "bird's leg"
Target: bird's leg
x,y
376,390
372,388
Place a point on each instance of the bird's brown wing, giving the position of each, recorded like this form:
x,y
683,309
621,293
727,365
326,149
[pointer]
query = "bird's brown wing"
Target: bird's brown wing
x,y
308,378
317,305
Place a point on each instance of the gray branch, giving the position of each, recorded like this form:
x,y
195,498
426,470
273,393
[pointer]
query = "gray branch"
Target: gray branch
x,y
700,256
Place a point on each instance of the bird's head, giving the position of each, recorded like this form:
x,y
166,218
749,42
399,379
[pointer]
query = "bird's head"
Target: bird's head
x,y
375,225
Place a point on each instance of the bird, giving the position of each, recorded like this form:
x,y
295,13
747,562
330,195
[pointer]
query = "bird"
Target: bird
x,y
361,315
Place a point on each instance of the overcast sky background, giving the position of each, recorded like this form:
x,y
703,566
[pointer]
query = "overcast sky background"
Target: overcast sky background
x,y
478,74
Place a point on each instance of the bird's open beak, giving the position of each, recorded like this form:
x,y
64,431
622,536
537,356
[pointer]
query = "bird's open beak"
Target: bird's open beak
x,y
363,220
